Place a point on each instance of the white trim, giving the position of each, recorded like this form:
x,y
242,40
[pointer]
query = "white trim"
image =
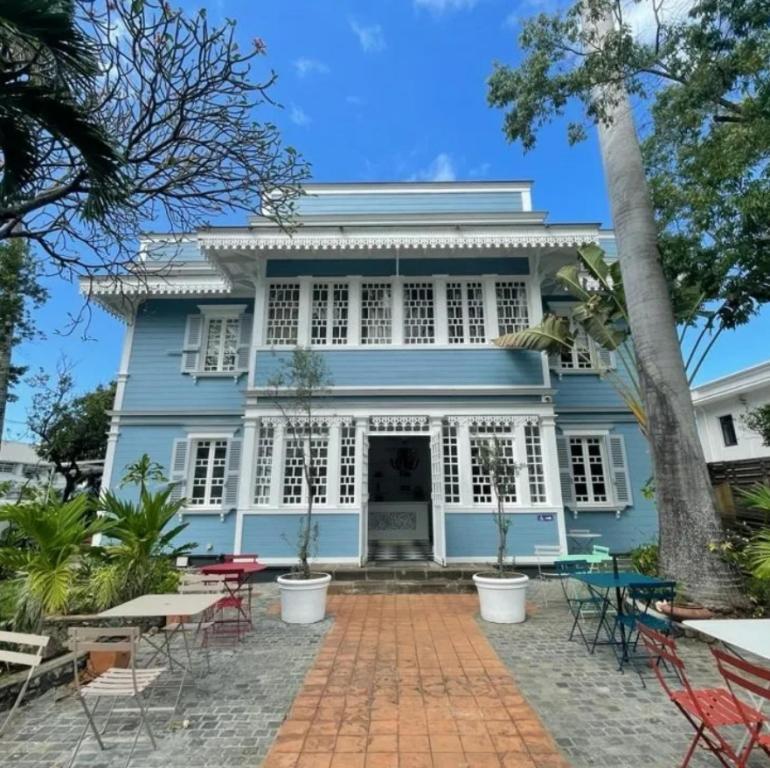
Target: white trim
x,y
300,509
223,310
514,508
290,561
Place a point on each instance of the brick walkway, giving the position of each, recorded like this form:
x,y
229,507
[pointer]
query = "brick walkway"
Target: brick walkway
x,y
410,681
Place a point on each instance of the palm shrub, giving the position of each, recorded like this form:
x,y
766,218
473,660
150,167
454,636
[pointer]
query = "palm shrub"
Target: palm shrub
x,y
46,548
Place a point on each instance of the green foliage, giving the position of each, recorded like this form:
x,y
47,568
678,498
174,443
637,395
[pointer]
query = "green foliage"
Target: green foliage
x,y
758,552
58,536
644,558
142,472
758,420
757,497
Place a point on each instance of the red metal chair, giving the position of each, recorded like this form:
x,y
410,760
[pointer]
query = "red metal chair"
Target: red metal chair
x,y
707,709
754,681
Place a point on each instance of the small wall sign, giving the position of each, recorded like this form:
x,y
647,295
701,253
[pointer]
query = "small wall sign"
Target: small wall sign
x,y
545,518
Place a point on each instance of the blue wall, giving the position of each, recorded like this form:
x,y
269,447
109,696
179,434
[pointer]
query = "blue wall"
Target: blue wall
x,y
213,535
423,366
133,441
474,534
276,535
155,380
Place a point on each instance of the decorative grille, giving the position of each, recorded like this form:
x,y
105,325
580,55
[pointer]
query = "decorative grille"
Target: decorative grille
x,y
283,313
465,313
264,463
348,465
512,312
451,463
535,464
419,324
376,313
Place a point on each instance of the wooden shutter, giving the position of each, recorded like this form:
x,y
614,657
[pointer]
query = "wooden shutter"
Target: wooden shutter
x,y
619,464
605,358
565,471
178,465
191,350
232,475
244,343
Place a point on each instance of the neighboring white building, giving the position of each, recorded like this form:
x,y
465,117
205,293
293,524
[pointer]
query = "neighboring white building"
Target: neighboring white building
x,y
20,464
719,408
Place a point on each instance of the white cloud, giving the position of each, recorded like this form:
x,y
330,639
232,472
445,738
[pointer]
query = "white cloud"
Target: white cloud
x,y
305,66
371,38
298,116
444,6
441,168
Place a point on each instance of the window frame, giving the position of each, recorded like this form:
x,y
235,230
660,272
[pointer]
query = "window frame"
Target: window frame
x,y
603,436
727,422
464,282
193,443
223,318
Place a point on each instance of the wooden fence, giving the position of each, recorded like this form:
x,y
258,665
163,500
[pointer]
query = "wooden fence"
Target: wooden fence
x,y
728,477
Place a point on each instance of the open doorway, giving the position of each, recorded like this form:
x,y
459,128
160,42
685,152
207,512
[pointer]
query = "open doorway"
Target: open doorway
x,y
399,510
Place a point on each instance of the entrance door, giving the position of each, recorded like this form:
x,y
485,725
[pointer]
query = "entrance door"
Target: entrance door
x,y
437,496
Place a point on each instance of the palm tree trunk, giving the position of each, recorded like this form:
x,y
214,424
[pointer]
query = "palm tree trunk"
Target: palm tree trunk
x,y
6,348
687,513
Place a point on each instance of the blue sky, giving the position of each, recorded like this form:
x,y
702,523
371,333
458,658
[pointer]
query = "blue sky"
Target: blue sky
x,y
384,90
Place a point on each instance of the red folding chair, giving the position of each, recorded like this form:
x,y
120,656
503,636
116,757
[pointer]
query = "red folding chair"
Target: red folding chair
x,y
707,709
754,681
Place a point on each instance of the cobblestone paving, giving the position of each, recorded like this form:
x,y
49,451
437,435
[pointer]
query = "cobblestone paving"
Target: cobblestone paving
x,y
598,716
229,721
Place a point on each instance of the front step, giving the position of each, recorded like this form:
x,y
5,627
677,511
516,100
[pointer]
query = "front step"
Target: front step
x,y
401,587
403,578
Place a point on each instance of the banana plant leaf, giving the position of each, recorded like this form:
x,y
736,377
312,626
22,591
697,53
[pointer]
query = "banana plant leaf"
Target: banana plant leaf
x,y
552,335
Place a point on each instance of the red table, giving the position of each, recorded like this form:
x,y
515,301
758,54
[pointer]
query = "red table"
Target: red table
x,y
235,577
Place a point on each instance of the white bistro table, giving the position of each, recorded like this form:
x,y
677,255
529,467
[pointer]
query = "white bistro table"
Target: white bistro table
x,y
750,635
582,540
172,604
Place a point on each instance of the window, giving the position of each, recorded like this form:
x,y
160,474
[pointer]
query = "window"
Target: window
x,y
729,436
589,474
208,476
329,314
221,343
375,313
451,464
294,486
535,464
347,464
419,323
512,312
481,481
283,313
8,467
578,357
264,463
465,313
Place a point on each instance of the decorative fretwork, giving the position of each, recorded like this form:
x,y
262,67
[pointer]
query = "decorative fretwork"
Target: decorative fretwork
x,y
588,469
208,480
296,444
348,465
399,424
451,463
221,343
481,481
512,314
535,464
329,315
376,321
264,463
419,324
283,313
480,423
465,313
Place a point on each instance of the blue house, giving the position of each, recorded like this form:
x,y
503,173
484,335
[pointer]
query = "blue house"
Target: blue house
x,y
401,287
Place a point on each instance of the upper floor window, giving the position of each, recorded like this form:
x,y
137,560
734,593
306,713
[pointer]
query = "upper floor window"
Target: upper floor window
x,y
465,313
8,467
512,314
376,321
283,313
208,473
589,474
419,317
221,343
729,435
578,357
329,315
217,340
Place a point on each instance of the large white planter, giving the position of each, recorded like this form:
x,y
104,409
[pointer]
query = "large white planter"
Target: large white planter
x,y
303,601
503,601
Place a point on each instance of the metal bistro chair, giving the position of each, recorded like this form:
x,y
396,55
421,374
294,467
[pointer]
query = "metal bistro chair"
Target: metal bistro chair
x,y
641,598
708,710
116,683
546,554
21,658
579,604
216,621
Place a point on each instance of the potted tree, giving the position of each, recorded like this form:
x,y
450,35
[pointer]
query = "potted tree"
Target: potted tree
x,y
502,593
294,389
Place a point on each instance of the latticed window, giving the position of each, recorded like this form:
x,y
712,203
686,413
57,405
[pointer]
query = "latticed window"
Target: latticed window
x,y
376,313
577,357
451,464
282,313
512,312
329,315
535,463
221,346
294,486
465,313
419,323
264,463
208,480
347,464
481,480
588,469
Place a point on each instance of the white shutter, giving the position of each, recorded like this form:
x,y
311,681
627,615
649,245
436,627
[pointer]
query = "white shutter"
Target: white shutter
x,y
619,465
605,358
565,472
178,469
244,343
232,474
191,349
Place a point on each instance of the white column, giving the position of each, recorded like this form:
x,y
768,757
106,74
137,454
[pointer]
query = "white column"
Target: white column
x,y
305,300
464,465
397,311
362,486
246,479
258,323
520,457
276,470
490,306
333,466
440,310
551,471
354,310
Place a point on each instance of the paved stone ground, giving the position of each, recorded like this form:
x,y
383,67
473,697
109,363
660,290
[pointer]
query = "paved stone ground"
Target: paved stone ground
x,y
598,716
230,720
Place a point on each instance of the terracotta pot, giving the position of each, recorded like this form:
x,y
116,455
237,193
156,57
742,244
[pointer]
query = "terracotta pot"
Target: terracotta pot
x,y
101,661
683,612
